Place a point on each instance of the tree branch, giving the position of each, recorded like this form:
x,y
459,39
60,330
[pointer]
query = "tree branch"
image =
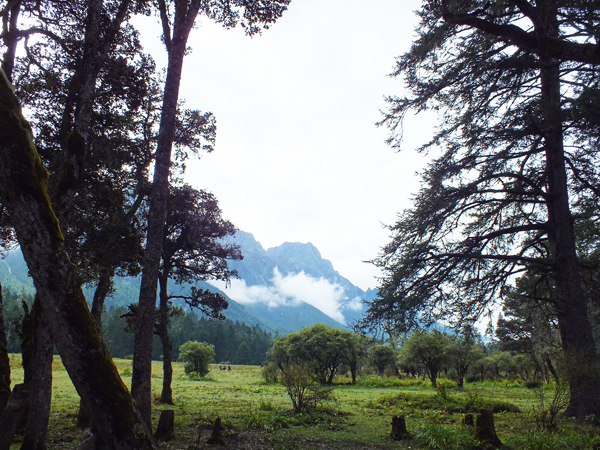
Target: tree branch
x,y
542,45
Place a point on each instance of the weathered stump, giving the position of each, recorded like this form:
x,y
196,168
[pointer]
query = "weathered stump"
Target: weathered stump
x,y
217,433
166,425
485,431
15,412
468,420
399,431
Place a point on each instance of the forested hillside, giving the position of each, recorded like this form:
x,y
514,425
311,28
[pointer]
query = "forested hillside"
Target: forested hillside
x,y
234,341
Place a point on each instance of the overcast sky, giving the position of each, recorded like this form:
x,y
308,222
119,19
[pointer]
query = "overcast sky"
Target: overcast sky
x,y
298,156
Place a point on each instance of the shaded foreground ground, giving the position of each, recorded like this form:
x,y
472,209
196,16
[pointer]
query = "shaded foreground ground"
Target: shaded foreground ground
x,y
258,415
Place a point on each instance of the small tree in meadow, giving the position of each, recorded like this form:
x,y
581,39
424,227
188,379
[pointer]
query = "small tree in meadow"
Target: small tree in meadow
x,y
197,356
297,379
382,356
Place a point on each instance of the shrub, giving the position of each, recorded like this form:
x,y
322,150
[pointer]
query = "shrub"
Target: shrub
x,y
297,381
197,356
442,387
533,384
270,372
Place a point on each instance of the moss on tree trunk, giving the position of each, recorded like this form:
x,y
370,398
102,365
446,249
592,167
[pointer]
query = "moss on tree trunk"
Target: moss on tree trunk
x,y
78,340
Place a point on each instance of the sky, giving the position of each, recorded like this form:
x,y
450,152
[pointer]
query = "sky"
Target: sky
x,y
298,157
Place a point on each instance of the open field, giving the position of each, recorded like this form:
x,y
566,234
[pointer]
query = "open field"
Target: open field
x,y
258,415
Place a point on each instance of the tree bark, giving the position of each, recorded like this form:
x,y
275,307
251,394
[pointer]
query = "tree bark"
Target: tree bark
x,y
142,354
13,414
166,395
86,358
102,290
583,363
4,361
166,425
11,39
39,382
485,430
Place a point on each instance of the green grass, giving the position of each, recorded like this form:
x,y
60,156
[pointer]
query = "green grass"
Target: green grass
x,y
259,415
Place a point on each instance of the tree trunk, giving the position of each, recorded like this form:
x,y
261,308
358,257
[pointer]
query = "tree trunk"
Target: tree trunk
x,y
166,395
14,413
552,370
39,382
583,364
11,39
166,425
86,358
102,290
84,419
4,361
141,387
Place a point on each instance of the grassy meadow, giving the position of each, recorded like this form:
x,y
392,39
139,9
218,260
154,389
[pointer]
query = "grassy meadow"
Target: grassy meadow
x,y
257,415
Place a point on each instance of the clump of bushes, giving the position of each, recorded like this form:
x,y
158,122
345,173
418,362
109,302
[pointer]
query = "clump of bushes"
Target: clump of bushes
x,y
196,356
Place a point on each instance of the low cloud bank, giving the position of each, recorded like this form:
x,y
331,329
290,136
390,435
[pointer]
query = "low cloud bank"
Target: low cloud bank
x,y
291,289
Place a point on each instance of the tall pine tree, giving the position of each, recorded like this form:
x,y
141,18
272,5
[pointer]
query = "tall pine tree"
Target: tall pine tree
x,y
515,82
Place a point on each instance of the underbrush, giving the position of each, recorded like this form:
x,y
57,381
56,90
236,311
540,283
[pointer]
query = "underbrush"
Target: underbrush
x,y
273,418
375,381
446,437
468,402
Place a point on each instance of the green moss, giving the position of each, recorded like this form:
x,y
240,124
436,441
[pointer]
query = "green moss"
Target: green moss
x,y
22,171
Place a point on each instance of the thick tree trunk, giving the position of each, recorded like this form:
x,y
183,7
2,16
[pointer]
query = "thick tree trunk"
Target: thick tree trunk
x,y
142,354
39,382
86,358
583,364
166,395
4,361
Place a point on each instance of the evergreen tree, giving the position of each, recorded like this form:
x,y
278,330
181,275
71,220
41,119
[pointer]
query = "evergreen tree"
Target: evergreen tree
x,y
515,83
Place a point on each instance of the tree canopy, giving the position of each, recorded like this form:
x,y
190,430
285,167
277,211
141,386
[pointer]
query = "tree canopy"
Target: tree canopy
x,y
320,348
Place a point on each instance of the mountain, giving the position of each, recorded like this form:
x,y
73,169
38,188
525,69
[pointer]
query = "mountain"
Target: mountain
x,y
282,289
285,270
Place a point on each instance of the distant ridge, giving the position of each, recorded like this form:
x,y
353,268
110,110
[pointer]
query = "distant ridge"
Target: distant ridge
x,y
270,290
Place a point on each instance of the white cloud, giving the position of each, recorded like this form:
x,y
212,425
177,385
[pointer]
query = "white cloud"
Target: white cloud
x,y
356,304
320,293
290,289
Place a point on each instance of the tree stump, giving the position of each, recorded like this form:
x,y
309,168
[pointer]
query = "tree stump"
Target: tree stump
x,y
468,420
166,425
485,431
399,432
217,433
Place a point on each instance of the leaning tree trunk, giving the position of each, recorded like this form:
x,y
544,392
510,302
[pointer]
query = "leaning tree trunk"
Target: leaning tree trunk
x,y
141,387
4,361
583,364
78,340
39,381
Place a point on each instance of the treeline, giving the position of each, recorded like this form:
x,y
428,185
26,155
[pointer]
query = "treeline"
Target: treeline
x,y
235,342
323,353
